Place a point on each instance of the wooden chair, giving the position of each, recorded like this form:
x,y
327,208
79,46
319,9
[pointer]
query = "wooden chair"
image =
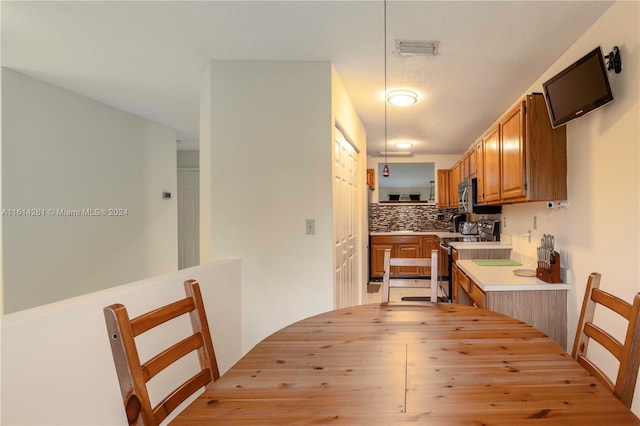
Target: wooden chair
x,y
134,375
627,353
388,282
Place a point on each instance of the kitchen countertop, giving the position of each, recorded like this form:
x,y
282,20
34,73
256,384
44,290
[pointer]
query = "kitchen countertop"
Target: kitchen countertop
x,y
501,278
457,245
462,245
436,232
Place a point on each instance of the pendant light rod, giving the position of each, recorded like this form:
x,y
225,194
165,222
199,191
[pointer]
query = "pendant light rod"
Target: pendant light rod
x,y
385,169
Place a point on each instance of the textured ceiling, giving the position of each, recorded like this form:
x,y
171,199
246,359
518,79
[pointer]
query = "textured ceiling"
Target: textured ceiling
x,y
146,57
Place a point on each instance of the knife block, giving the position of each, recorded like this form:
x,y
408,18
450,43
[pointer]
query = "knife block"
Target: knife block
x,y
551,274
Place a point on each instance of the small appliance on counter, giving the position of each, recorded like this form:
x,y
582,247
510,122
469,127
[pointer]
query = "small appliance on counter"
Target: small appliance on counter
x,y
469,228
548,269
457,221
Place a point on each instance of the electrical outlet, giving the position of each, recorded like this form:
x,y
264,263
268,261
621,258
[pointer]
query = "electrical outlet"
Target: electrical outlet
x,y
535,222
310,226
504,222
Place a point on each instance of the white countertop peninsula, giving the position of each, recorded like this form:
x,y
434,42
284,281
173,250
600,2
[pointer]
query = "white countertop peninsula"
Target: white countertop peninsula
x,y
496,288
501,278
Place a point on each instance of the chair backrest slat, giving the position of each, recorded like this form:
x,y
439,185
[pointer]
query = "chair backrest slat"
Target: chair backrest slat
x,y
409,261
134,375
178,396
605,339
146,322
612,302
627,352
171,355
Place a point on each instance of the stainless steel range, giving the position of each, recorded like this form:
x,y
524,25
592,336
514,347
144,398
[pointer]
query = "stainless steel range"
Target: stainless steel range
x,y
488,230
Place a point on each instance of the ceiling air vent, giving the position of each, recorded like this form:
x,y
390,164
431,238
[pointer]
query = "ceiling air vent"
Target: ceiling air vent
x,y
416,47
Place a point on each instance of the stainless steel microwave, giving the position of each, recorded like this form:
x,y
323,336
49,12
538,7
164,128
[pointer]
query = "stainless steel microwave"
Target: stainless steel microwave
x,y
468,199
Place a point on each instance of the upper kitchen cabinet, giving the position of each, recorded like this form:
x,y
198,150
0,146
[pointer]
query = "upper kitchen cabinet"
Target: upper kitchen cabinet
x,y
473,168
371,179
455,177
477,169
465,166
443,188
525,158
512,145
491,181
520,158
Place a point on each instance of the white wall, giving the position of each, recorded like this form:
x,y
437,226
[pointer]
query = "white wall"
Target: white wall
x,y
1,198
57,367
188,159
266,138
600,230
64,151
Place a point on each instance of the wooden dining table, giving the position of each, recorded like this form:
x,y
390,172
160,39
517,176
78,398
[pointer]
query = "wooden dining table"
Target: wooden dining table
x,y
407,363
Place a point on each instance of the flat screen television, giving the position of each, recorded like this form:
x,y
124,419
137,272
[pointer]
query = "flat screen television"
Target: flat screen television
x,y
578,89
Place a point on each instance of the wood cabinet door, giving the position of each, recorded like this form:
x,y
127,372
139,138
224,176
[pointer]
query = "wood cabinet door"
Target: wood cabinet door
x,y
443,188
465,167
454,180
476,295
512,147
407,246
479,170
491,183
546,153
371,179
473,168
377,259
410,250
429,243
454,283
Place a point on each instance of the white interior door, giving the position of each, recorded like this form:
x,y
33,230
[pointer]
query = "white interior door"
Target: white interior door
x,y
345,193
188,218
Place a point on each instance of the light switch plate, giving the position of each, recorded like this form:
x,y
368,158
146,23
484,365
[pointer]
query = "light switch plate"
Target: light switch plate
x,y
310,226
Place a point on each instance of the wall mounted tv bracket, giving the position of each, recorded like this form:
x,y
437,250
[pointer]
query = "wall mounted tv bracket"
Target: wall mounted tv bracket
x,y
614,62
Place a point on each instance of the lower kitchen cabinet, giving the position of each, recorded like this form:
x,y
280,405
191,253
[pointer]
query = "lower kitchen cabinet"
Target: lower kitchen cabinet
x,y
429,243
468,292
481,253
403,246
545,310
454,283
377,257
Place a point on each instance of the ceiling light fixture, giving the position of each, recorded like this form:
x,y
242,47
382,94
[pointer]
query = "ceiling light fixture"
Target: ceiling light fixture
x,y
385,169
396,154
402,97
403,143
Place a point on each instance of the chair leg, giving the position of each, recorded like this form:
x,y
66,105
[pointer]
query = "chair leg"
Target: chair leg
x,y
384,289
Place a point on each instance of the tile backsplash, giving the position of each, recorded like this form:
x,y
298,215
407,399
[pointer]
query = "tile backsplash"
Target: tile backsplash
x,y
398,217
